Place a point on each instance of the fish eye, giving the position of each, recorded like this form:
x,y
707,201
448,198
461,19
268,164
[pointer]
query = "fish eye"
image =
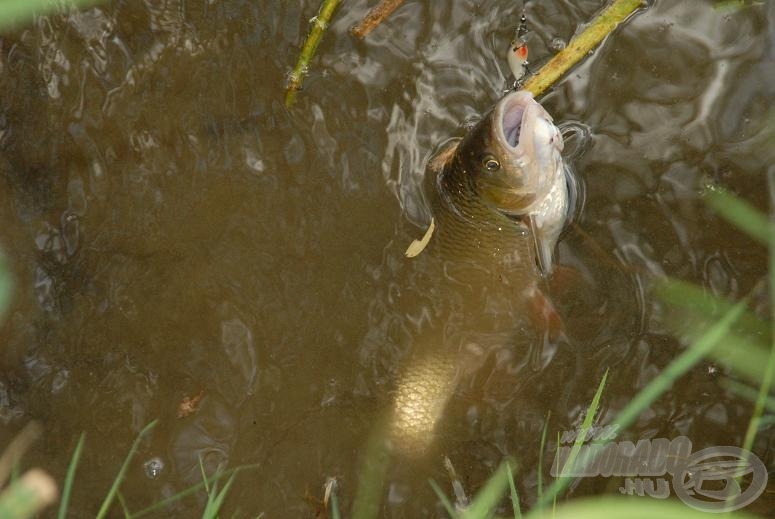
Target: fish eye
x,y
490,163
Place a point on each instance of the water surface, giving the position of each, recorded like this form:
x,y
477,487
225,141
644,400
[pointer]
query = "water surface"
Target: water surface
x,y
174,229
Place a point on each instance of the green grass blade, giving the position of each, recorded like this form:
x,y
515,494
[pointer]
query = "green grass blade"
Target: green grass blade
x,y
767,421
745,349
124,507
204,474
122,471
555,494
193,489
541,456
747,392
679,366
444,499
16,12
742,355
215,499
6,285
562,482
769,374
655,388
696,299
514,496
335,504
740,213
489,496
372,472
69,477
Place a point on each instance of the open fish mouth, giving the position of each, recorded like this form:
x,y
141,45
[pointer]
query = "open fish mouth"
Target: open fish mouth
x,y
512,117
528,144
524,131
511,122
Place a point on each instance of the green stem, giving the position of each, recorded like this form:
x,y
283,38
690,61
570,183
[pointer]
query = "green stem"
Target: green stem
x,y
319,25
581,45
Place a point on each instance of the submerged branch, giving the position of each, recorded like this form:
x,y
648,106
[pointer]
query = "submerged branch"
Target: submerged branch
x,y
375,16
319,25
581,45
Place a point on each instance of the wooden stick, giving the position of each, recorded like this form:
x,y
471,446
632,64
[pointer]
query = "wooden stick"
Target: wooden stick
x,y
319,25
375,16
581,45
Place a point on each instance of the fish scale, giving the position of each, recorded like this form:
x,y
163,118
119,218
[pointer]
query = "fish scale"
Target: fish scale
x,y
469,231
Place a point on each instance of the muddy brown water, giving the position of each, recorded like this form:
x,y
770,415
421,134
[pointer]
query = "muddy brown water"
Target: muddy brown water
x,y
173,229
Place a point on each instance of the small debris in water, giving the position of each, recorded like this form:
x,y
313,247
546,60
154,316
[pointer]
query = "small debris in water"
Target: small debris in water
x,y
60,380
189,405
153,467
329,487
557,44
461,500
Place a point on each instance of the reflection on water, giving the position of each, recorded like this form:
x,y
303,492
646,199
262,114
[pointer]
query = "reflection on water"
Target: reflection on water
x,y
173,229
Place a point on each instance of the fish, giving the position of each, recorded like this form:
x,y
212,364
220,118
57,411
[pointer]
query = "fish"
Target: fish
x,y
499,197
505,177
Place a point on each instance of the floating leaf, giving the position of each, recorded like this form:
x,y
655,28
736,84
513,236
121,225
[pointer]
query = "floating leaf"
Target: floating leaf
x,y
417,246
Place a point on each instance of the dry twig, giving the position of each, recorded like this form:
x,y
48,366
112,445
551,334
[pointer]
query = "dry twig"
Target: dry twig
x,y
375,16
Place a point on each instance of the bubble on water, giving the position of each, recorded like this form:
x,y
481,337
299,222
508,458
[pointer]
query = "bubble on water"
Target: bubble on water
x,y
292,77
469,123
473,416
60,381
330,393
398,494
708,188
153,467
557,44
44,290
254,162
70,232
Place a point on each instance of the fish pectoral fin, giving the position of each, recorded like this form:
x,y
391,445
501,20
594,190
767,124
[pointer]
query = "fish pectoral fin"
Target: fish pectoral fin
x,y
544,315
544,246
